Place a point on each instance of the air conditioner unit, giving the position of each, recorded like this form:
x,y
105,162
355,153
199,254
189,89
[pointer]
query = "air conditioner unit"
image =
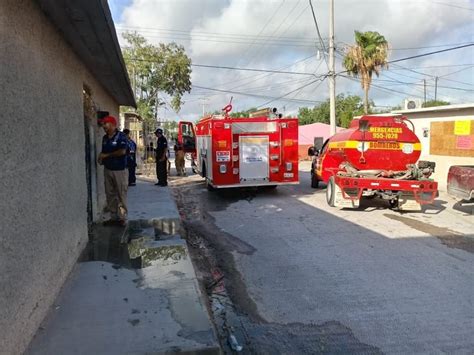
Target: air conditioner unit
x,y
410,104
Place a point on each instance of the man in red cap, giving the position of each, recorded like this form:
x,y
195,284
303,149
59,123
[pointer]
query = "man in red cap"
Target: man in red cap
x,y
114,159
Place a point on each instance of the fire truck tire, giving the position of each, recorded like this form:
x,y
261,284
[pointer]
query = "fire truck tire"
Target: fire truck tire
x,y
314,180
209,187
393,203
330,191
270,187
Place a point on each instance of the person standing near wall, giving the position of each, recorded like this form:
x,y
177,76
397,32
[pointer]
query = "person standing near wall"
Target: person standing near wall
x,y
114,159
131,158
161,158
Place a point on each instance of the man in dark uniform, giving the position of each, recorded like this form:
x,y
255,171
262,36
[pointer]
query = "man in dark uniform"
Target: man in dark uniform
x,y
131,158
114,159
161,158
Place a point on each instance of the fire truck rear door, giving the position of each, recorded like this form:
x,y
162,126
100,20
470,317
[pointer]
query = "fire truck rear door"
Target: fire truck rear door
x,y
254,162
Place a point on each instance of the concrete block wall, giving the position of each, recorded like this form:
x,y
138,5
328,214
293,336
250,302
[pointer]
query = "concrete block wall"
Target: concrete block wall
x,y
43,200
423,121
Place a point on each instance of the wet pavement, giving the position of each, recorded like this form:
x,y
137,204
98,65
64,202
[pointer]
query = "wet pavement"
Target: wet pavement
x,y
286,274
134,291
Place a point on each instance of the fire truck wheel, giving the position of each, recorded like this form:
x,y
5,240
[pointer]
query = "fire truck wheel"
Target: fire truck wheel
x,y
209,187
330,191
314,180
393,203
270,187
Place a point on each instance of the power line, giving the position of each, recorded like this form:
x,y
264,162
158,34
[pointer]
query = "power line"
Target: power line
x,y
249,37
434,76
251,69
214,34
234,68
420,55
261,31
275,42
289,93
273,86
420,84
454,6
436,66
262,76
257,95
319,34
259,51
404,94
430,53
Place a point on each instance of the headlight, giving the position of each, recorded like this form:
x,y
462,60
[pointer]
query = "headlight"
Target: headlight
x,y
289,166
222,168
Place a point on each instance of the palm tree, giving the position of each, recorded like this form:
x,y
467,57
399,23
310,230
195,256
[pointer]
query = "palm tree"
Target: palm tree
x,y
367,56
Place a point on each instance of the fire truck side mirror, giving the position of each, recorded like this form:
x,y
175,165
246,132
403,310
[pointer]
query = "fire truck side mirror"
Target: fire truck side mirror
x,y
318,144
311,152
363,125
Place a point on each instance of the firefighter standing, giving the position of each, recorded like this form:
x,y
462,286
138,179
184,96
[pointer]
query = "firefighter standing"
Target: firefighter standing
x,y
131,158
114,159
161,158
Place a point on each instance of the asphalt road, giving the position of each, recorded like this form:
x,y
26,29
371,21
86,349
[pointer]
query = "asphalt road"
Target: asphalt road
x,y
306,278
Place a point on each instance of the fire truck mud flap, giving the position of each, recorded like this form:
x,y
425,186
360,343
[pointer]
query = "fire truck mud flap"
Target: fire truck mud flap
x,y
341,198
408,202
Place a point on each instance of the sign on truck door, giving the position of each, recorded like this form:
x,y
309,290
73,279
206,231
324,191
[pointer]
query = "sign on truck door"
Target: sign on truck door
x,y
254,163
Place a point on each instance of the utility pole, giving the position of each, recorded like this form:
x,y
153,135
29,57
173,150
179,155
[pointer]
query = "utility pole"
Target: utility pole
x,y
204,101
436,88
332,73
424,91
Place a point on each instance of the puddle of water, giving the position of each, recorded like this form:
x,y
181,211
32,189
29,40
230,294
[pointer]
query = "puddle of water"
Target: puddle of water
x,y
144,246
145,250
105,244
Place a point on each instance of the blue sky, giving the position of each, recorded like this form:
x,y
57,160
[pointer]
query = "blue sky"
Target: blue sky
x,y
272,34
117,7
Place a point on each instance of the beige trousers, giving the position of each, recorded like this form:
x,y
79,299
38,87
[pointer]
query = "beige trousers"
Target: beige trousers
x,y
116,186
179,162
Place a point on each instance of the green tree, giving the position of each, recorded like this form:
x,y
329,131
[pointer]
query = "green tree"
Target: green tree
x,y
433,103
346,108
164,69
367,56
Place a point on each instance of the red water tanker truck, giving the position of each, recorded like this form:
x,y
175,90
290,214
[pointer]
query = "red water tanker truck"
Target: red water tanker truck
x,y
377,156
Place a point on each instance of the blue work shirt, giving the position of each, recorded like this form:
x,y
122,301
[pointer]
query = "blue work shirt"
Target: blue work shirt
x,y
161,147
110,145
131,147
131,151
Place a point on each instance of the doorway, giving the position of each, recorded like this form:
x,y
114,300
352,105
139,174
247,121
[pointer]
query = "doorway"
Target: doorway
x,y
90,156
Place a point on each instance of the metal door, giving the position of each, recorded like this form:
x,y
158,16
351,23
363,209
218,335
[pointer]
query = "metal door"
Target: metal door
x,y
254,162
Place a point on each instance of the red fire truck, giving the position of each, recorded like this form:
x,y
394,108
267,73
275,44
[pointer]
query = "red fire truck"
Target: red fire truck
x,y
260,150
375,156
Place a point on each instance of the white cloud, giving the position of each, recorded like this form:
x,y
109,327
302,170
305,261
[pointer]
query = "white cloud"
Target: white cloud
x,y
224,33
